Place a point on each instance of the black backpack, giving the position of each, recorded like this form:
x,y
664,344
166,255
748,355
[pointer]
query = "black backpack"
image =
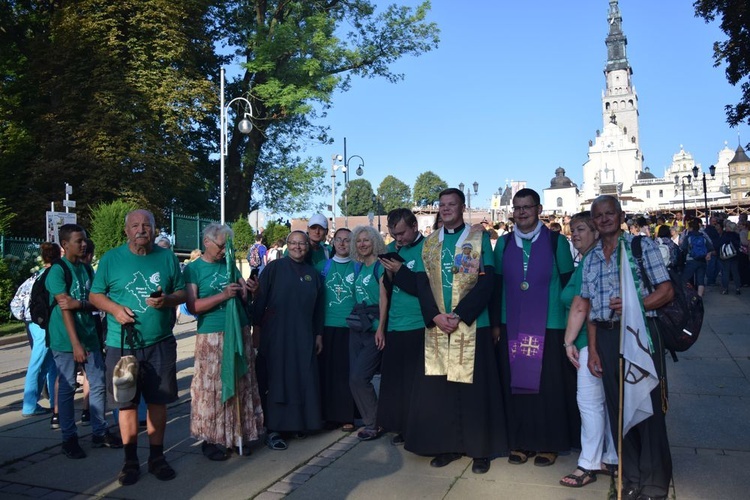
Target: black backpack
x,y
680,320
39,300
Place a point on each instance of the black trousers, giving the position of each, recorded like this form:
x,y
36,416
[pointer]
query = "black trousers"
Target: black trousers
x,y
646,459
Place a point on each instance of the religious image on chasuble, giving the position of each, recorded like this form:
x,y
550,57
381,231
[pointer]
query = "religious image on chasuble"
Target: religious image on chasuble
x,y
453,263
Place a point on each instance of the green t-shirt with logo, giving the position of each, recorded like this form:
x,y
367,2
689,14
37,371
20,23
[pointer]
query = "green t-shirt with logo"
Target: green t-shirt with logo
x,y
84,321
405,312
367,286
338,291
129,279
211,278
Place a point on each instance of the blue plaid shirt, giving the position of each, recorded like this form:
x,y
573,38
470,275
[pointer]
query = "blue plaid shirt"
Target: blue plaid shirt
x,y
601,279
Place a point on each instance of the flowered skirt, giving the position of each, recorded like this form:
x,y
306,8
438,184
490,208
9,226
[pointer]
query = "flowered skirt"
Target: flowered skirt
x,y
210,419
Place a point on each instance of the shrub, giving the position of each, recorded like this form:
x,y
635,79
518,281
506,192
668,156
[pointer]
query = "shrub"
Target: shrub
x,y
108,224
7,291
244,236
275,231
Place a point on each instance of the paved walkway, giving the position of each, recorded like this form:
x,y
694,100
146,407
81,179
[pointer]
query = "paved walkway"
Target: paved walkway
x,y
708,430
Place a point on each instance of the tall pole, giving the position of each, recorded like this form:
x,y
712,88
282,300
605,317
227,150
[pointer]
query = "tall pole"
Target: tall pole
x,y
705,198
346,186
333,189
223,145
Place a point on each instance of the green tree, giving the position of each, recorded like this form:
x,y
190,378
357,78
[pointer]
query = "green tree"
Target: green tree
x,y
108,224
244,237
427,187
275,231
734,52
6,216
360,198
111,97
296,55
394,193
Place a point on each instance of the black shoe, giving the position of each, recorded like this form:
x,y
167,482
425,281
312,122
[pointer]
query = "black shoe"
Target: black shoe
x,y
160,468
106,440
54,422
72,449
444,459
85,418
397,440
480,465
129,474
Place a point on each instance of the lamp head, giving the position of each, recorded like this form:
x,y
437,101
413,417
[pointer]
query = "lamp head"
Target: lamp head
x,y
245,125
712,170
476,187
695,171
461,186
360,171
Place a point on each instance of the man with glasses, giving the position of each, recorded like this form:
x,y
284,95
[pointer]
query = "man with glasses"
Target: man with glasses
x,y
538,384
139,285
645,455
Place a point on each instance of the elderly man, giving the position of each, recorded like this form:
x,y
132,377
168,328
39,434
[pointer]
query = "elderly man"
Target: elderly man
x,y
533,265
645,457
138,285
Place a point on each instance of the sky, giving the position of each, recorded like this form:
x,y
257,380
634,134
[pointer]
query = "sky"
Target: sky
x,y
514,91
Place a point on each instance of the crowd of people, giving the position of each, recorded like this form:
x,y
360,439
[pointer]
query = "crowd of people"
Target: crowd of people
x,y
488,343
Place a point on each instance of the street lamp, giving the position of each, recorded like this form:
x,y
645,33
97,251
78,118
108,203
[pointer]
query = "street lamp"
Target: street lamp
x,y
345,169
468,195
712,170
376,204
676,183
244,126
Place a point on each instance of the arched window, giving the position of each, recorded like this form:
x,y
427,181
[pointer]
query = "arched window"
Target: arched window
x,y
661,193
648,194
559,201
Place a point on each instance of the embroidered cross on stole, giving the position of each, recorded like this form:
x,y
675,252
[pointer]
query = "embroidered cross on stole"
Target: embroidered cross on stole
x,y
452,355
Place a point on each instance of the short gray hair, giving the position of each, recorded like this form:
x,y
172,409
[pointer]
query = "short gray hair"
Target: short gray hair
x,y
149,214
214,230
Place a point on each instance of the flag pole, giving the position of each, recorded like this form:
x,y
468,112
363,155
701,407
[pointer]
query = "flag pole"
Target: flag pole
x,y
239,417
619,430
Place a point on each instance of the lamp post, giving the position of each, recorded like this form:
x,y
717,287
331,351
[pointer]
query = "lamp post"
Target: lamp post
x,y
376,204
468,195
244,126
345,169
676,183
712,171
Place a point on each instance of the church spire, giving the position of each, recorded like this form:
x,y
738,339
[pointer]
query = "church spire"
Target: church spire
x,y
616,41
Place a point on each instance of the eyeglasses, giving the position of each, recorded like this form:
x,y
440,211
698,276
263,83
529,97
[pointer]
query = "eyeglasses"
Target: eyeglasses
x,y
220,247
297,244
525,208
342,240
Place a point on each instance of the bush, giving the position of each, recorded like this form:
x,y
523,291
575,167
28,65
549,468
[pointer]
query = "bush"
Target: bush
x,y
274,232
244,236
108,225
7,291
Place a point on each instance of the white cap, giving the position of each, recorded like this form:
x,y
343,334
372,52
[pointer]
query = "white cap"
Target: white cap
x,y
318,220
124,379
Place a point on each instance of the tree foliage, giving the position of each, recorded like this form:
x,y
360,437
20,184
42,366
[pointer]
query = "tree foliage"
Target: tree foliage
x,y
6,216
360,198
427,187
734,52
394,193
296,55
275,231
120,99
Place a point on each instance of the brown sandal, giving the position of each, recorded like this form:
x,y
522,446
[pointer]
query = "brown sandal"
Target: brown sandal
x,y
348,428
545,458
518,457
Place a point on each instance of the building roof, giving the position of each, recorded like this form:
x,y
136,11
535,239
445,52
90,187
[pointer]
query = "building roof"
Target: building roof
x,y
739,156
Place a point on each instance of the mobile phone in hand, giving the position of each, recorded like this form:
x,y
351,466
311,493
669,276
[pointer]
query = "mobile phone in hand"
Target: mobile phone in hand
x,y
391,255
254,273
156,294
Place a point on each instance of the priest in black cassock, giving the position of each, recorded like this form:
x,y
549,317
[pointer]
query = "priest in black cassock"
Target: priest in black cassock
x,y
457,407
288,330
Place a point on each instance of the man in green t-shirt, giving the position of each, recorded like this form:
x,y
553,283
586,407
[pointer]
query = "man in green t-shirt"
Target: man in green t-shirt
x,y
138,285
73,339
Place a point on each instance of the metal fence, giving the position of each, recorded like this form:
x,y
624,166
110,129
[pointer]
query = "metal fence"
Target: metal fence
x,y
18,247
187,231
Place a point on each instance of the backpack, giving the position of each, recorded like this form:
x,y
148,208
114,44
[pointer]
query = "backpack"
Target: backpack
x,y
253,256
697,246
680,320
40,303
664,250
19,306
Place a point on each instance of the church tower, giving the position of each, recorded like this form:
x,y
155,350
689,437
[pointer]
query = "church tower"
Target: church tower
x,y
615,159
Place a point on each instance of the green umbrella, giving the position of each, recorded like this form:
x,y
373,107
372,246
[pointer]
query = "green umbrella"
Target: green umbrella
x,y
233,364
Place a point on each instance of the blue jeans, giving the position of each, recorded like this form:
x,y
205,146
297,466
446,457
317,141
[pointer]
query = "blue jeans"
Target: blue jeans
x,y
712,270
730,266
696,268
41,368
66,368
364,360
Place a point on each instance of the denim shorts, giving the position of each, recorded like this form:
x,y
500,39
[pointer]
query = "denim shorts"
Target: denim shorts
x,y
157,373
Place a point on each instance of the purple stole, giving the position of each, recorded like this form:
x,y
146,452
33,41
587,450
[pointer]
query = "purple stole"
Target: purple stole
x,y
526,310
